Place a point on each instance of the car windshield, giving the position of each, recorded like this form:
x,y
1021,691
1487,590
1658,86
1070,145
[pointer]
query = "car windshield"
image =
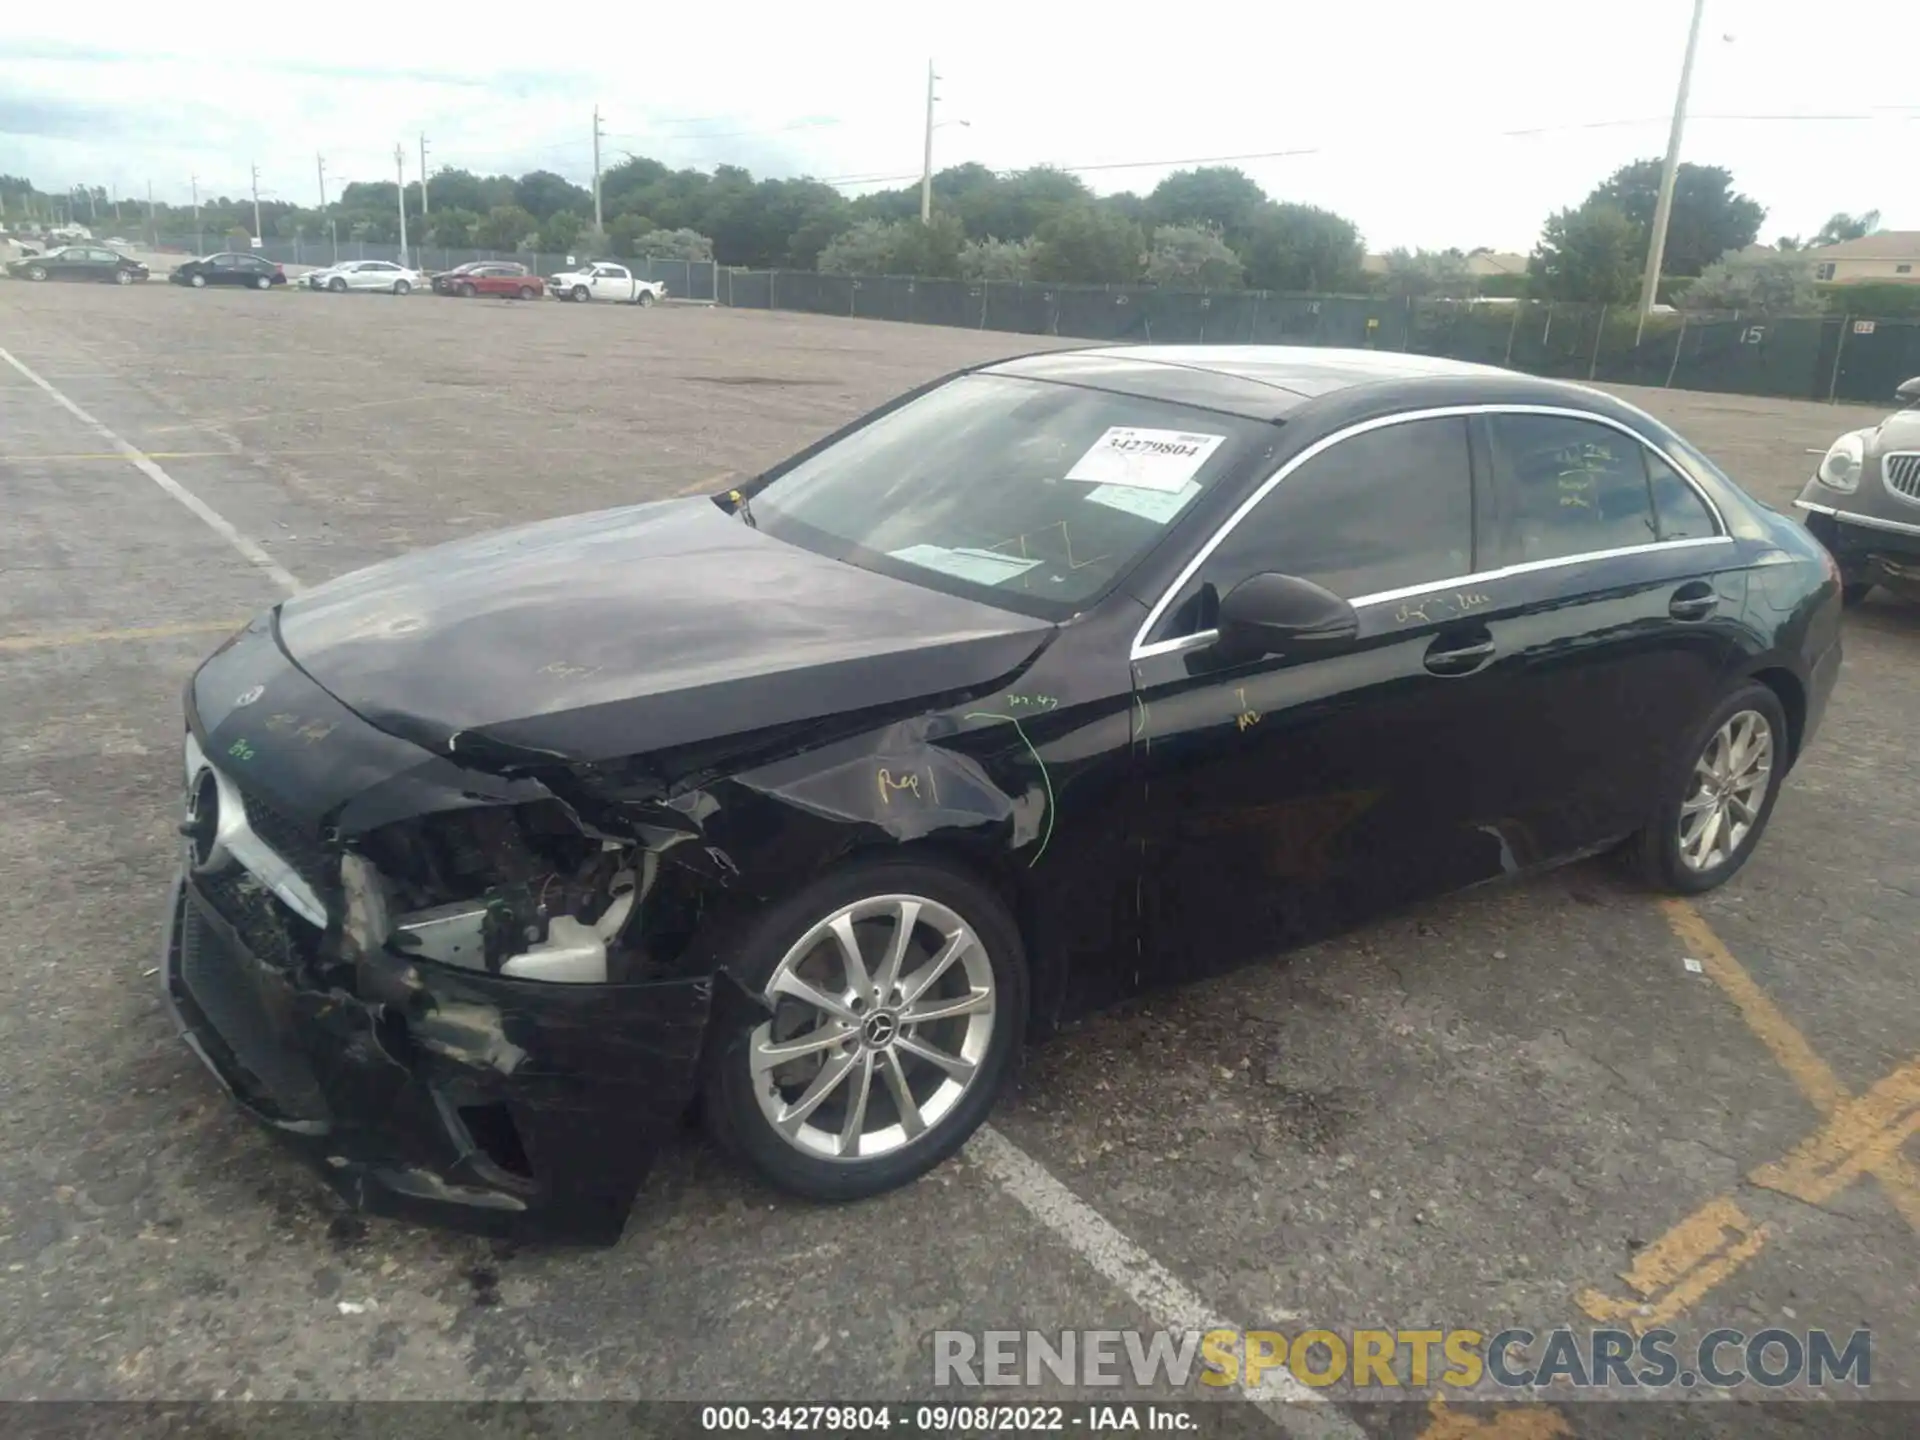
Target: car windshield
x,y
1026,493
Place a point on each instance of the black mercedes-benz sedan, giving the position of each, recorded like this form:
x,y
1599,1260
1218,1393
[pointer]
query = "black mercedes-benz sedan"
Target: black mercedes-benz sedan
x,y
1052,680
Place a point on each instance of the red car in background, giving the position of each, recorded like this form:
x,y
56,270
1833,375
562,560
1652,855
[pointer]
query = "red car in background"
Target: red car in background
x,y
489,277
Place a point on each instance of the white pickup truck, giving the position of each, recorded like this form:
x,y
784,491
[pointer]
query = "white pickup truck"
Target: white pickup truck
x,y
604,280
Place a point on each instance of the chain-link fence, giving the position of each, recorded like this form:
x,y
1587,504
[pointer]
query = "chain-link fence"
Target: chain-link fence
x,y
1809,357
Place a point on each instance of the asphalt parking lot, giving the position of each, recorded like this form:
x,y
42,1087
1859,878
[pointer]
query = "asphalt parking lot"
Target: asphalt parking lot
x,y
1519,1107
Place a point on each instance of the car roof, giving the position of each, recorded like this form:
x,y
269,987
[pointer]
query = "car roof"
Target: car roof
x,y
1265,382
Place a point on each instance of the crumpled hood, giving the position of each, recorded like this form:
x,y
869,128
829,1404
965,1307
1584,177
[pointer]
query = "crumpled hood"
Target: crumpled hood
x,y
1899,431
632,630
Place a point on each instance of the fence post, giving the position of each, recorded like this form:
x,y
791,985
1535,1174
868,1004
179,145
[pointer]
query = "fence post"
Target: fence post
x,y
1547,329
1594,363
1511,331
1833,385
1678,341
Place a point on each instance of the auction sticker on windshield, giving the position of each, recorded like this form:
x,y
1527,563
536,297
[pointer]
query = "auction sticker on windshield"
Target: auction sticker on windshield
x,y
1159,506
1162,460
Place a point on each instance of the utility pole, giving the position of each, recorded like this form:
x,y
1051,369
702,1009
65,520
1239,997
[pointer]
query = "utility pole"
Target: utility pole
x,y
926,164
153,227
598,228
424,208
400,175
257,236
320,163
1663,207
194,181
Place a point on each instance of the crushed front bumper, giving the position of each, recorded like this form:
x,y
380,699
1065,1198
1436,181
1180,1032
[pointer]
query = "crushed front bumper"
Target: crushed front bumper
x,y
505,1106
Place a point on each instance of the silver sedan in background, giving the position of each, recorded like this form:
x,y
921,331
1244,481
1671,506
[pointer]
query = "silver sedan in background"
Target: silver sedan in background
x,y
365,275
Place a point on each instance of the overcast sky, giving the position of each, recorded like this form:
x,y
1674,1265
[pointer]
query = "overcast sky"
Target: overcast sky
x,y
1404,105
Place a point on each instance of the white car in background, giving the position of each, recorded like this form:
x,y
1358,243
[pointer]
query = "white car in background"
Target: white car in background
x,y
381,275
605,280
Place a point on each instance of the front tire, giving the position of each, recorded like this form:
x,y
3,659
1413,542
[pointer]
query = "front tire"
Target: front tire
x,y
198,281
876,1065
646,298
337,285
467,290
581,293
1853,592
527,292
123,277
1714,811
36,272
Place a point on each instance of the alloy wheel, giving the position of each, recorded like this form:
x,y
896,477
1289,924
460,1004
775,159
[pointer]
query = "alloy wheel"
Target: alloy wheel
x,y
1727,791
882,1016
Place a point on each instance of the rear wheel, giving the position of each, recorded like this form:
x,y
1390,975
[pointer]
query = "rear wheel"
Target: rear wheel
x,y
898,994
1715,810
580,292
262,282
401,287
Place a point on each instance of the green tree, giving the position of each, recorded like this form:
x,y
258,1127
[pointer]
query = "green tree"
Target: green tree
x,y
1088,244
1192,257
996,260
504,227
1708,218
1303,248
1217,196
543,194
458,190
1843,226
1593,253
672,245
1426,272
452,229
864,248
561,234
624,230
1774,284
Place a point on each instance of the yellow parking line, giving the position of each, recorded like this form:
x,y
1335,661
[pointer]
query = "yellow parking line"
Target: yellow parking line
x,y
1812,1074
100,637
1669,1276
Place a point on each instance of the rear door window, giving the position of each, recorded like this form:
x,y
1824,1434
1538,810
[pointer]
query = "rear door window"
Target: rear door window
x,y
1566,487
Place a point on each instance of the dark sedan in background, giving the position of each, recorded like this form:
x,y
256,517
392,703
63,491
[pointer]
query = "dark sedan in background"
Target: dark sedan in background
x,y
229,267
79,262
1054,680
1863,502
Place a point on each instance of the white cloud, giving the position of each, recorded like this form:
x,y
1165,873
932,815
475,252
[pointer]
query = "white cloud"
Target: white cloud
x,y
1404,104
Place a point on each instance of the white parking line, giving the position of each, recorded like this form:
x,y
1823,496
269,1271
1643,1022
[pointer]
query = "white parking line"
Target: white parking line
x,y
1167,1302
150,468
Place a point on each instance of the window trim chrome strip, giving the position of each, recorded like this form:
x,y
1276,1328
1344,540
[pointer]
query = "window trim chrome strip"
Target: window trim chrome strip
x,y
1478,577
1140,650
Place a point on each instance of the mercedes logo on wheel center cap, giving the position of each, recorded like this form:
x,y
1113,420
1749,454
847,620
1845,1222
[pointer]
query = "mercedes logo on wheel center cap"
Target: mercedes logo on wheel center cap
x,y
880,1029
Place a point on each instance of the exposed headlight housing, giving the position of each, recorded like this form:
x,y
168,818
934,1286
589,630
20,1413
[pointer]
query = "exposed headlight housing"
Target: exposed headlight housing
x,y
1841,466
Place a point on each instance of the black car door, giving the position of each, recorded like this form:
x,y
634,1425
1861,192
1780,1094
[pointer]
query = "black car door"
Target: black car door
x,y
69,264
1286,797
225,269
1611,608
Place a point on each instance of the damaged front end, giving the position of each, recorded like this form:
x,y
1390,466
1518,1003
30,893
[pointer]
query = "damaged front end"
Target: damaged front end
x,y
449,1011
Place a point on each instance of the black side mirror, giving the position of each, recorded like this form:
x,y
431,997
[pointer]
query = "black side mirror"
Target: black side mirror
x,y
1270,614
1908,392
